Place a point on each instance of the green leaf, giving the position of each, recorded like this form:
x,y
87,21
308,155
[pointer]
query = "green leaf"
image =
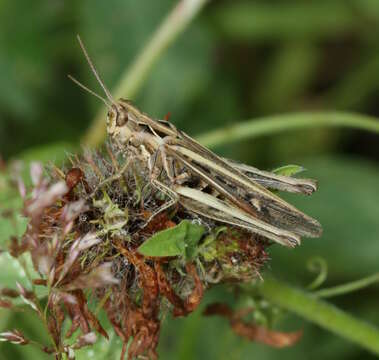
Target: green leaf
x,y
194,234
13,224
9,228
32,327
288,170
180,240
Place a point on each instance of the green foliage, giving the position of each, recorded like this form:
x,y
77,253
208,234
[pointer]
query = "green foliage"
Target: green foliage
x,y
288,170
13,224
10,201
180,240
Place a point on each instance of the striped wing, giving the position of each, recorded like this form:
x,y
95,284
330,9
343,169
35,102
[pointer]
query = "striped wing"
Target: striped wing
x,y
244,193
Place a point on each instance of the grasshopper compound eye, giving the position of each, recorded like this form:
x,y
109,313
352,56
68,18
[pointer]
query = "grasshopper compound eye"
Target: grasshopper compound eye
x,y
117,116
121,117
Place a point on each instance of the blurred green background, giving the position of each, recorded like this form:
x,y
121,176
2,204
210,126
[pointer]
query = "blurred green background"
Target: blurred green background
x,y
237,60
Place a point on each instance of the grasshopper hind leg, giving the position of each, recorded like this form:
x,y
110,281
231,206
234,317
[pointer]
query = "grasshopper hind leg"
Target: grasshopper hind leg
x,y
172,195
174,175
166,163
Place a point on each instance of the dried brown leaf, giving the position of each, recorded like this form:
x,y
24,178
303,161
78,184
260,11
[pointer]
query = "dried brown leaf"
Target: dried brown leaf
x,y
252,331
85,340
12,293
5,304
98,277
14,337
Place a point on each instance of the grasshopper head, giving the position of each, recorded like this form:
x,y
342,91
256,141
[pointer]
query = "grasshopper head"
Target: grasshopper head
x,y
118,124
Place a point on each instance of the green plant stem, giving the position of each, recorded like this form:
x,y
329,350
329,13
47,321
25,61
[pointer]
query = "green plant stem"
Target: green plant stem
x,y
347,288
279,123
42,313
133,77
321,313
321,266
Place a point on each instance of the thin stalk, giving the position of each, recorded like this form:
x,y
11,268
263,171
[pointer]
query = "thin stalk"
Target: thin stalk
x,y
134,76
321,313
280,123
42,313
347,288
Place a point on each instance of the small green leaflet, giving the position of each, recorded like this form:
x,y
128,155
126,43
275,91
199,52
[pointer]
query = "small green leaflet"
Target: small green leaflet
x,y
180,240
10,201
288,170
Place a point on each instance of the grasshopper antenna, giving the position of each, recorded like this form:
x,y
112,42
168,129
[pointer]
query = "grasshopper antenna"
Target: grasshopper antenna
x,y
77,82
92,66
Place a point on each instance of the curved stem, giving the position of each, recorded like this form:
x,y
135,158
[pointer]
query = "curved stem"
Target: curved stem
x,y
319,265
133,77
347,288
280,123
321,313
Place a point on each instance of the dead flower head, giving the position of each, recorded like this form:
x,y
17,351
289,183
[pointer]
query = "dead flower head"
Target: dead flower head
x,y
87,223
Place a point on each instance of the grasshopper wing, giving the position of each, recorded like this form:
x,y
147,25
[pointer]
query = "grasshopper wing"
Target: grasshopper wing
x,y
240,190
274,181
213,208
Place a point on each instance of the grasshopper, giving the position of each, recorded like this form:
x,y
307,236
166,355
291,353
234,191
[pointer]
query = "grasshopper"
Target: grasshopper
x,y
201,181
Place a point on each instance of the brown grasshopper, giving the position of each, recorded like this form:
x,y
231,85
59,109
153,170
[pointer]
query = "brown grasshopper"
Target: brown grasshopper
x,y
203,182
